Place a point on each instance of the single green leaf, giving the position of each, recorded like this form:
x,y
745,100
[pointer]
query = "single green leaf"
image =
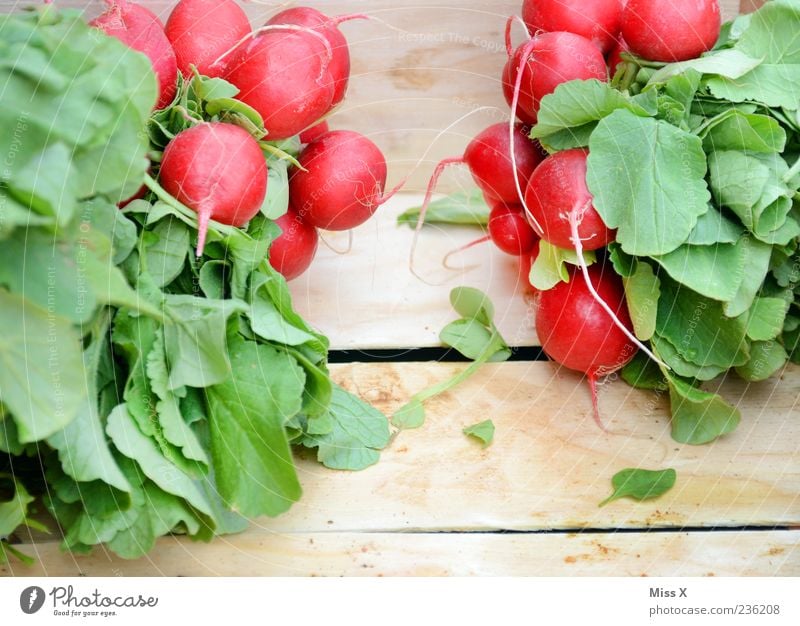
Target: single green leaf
x,y
42,376
460,208
276,202
359,432
482,431
715,271
213,278
712,228
681,366
473,339
568,116
757,260
730,63
472,303
699,417
213,88
551,265
767,358
165,250
227,106
252,460
648,181
642,291
736,130
764,319
642,373
641,484
410,415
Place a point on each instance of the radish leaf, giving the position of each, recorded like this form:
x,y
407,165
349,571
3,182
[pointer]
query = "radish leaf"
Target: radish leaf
x,y
641,484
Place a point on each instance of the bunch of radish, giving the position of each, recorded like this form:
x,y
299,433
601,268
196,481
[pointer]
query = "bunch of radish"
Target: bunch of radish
x,y
583,324
290,74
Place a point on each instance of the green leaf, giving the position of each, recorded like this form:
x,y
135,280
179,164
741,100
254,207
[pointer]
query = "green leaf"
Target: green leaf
x,y
569,115
699,417
410,415
195,340
253,463
772,37
472,303
550,266
482,431
165,249
130,441
681,366
712,228
715,271
227,106
757,260
642,373
641,484
698,329
107,219
767,358
730,63
213,88
765,318
359,433
14,511
276,202
642,291
648,181
736,130
464,208
473,340
42,376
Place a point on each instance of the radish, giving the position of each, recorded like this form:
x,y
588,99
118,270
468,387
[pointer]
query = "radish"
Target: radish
x,y
557,189
310,134
598,20
329,27
284,76
140,29
526,261
576,332
547,60
203,30
218,171
342,181
291,253
510,231
677,30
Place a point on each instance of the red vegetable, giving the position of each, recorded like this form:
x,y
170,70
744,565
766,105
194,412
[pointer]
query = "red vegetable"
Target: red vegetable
x,y
510,231
284,76
343,182
203,30
677,30
291,253
140,29
556,189
310,134
597,20
339,67
548,60
217,170
615,58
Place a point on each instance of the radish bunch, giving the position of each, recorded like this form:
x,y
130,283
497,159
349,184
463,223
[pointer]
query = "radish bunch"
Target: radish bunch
x,y
275,85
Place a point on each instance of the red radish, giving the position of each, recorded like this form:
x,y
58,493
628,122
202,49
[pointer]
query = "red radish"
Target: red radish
x,y
284,76
548,60
598,20
203,30
343,182
576,332
615,58
489,160
329,27
510,231
140,29
677,30
217,170
310,134
556,190
292,252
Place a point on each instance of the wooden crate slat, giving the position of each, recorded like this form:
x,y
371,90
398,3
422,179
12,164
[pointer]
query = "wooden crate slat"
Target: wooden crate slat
x,y
368,298
766,553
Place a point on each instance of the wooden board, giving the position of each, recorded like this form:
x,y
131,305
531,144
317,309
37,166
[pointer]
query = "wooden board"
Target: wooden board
x,y
769,553
368,298
415,72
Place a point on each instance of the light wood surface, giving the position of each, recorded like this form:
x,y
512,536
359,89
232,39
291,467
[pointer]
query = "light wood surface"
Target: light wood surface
x,y
415,72
768,553
368,298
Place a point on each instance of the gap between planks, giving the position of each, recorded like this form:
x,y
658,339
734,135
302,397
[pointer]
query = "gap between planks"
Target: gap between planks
x,y
772,553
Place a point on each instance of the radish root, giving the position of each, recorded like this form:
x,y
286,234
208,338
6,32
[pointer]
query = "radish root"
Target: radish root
x,y
330,247
575,217
467,246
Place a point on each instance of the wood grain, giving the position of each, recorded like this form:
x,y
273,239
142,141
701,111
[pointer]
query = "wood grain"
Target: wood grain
x,y
368,298
415,72
769,553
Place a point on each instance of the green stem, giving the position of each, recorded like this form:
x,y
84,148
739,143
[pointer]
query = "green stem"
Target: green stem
x,y
282,155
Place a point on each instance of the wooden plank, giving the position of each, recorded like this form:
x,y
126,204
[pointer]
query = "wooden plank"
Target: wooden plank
x,y
414,73
368,298
768,553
